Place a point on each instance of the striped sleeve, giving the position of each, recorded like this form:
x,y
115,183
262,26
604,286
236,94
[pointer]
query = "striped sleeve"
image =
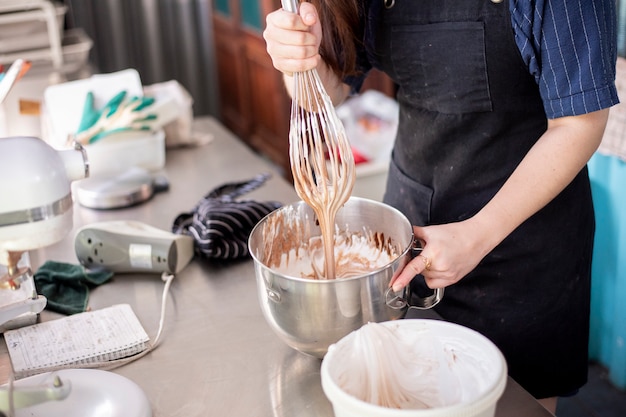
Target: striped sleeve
x,y
570,48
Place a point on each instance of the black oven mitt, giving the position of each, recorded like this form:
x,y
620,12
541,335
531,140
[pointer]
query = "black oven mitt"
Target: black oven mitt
x,y
221,225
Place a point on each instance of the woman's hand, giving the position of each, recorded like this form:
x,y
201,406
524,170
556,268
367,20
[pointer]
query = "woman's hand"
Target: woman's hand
x,y
293,40
450,251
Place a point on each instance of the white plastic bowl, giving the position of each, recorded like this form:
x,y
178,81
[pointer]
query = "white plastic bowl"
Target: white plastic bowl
x,y
478,357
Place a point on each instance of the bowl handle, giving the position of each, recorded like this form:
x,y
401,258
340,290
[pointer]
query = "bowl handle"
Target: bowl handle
x,y
399,300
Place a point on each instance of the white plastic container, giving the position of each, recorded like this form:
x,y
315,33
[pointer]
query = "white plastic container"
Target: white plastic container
x,y
469,367
118,153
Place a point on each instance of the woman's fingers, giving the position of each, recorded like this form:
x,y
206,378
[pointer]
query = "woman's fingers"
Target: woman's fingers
x,y
449,253
292,40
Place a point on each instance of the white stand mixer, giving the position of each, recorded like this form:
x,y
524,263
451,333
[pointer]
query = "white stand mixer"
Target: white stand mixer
x,y
35,212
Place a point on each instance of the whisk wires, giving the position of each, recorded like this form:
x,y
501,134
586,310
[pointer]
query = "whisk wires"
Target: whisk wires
x,y
320,152
321,159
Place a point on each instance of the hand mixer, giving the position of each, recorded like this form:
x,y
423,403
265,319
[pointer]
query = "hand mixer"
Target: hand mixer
x,y
321,158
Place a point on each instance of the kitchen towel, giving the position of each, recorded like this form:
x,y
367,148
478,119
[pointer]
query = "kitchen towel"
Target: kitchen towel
x,y
66,286
221,225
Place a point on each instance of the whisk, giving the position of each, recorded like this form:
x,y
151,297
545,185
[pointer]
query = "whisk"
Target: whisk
x,y
321,158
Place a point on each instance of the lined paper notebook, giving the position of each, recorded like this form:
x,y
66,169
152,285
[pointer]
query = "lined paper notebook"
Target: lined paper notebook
x,y
87,338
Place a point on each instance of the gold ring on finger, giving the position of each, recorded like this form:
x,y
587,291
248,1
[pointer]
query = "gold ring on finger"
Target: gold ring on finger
x,y
427,262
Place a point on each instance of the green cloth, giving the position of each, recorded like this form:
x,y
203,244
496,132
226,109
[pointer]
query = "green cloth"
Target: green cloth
x,y
66,286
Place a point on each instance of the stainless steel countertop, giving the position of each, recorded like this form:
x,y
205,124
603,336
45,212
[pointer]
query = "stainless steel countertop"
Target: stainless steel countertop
x,y
217,355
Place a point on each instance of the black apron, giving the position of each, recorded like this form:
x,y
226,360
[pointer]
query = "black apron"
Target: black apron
x,y
469,113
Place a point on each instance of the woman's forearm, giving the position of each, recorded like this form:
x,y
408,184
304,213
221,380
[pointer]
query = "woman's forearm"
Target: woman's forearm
x,y
549,166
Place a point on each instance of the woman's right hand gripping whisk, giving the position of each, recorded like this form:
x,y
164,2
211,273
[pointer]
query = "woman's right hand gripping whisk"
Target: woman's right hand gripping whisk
x,y
293,40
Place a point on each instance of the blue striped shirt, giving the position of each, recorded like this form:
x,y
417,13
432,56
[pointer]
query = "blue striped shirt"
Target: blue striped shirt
x,y
570,48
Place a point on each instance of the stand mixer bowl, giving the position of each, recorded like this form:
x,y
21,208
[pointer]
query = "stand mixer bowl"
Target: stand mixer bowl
x,y
308,314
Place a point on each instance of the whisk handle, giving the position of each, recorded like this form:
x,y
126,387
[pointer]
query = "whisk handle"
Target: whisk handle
x,y
290,5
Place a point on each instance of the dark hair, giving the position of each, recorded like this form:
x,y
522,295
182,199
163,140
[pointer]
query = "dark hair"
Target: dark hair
x,y
342,30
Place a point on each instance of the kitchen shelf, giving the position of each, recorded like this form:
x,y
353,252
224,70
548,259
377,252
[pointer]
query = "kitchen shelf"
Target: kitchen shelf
x,y
13,16
74,50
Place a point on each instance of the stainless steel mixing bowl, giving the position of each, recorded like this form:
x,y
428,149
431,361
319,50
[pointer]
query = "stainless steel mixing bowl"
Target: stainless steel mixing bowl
x,y
310,315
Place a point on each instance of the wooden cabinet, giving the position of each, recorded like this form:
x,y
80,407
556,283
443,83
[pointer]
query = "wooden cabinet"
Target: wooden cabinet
x,y
253,100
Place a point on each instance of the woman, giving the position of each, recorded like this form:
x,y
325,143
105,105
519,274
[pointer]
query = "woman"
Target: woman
x,y
502,103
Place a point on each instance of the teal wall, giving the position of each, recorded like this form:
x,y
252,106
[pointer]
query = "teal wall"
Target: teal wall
x,y
251,15
607,342
222,6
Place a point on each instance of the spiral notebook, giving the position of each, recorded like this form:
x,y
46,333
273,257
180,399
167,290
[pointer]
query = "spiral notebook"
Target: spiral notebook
x,y
88,338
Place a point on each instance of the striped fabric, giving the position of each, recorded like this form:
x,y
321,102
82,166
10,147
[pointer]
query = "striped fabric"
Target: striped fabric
x,y
221,225
570,48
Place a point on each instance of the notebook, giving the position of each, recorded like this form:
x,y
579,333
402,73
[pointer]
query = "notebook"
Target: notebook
x,y
89,338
